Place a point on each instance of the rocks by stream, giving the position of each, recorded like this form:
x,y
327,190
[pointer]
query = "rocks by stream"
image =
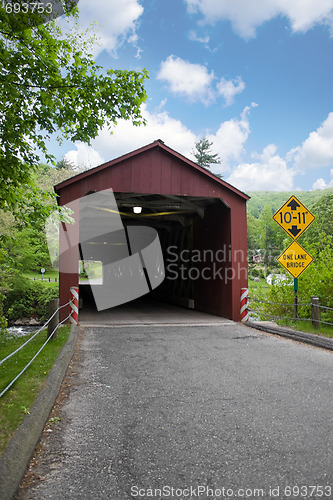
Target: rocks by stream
x,y
26,322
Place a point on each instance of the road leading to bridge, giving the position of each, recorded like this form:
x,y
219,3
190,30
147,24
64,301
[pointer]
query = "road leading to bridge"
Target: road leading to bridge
x,y
188,411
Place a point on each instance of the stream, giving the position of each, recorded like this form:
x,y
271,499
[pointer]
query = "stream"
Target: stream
x,y
20,331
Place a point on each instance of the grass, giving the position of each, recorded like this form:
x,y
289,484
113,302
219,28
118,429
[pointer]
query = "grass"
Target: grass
x,y
15,403
260,289
257,286
306,326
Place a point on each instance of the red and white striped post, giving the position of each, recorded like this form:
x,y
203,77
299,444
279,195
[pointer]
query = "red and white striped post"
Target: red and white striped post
x,y
244,311
74,298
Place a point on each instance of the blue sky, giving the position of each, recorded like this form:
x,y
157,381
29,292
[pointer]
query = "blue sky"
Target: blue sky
x,y
254,77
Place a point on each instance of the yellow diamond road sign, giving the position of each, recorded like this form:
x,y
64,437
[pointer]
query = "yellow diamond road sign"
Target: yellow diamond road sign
x,y
295,259
294,217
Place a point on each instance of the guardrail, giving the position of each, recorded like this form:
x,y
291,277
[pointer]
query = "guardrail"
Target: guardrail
x,y
314,304
50,280
50,335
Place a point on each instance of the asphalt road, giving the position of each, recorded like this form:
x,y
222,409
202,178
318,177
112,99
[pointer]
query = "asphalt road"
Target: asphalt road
x,y
208,412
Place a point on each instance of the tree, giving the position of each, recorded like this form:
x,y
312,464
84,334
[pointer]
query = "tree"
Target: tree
x,y
253,234
316,235
29,249
203,154
271,238
64,164
50,84
47,176
25,242
23,245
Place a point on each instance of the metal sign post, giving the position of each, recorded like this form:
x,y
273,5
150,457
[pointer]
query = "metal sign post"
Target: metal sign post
x,y
296,297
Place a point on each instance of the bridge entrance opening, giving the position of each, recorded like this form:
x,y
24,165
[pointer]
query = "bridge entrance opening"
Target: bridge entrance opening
x,y
196,266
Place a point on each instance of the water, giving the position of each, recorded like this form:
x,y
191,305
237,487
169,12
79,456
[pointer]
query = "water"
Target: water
x,y
22,330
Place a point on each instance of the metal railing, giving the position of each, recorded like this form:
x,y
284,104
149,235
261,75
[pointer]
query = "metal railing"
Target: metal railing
x,y
50,280
315,311
31,338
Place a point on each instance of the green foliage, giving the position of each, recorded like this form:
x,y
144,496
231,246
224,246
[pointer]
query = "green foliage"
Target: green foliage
x,y
64,164
50,84
29,249
316,235
28,298
47,176
316,280
3,321
7,271
260,199
265,238
23,245
281,298
15,403
203,154
269,232
253,236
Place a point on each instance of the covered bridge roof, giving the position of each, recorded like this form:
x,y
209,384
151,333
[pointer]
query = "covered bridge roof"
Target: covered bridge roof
x,y
150,180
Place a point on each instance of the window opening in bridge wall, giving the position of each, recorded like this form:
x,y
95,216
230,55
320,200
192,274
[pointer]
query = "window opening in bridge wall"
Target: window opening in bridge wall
x,y
93,268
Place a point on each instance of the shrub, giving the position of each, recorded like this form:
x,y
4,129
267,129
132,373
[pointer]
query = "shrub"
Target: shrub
x,y
317,280
27,298
3,322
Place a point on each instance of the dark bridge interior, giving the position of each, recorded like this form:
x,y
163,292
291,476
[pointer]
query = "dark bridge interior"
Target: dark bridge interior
x,y
184,226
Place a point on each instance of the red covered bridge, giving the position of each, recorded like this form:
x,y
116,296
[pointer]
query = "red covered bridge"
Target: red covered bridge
x,y
200,220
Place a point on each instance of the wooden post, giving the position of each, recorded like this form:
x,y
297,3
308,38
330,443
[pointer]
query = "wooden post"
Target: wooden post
x,y
315,314
52,307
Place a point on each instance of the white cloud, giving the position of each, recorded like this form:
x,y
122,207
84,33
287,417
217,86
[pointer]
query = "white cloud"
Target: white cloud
x,y
187,79
126,137
195,38
246,15
321,184
229,140
229,88
84,156
317,149
270,173
196,83
116,20
267,171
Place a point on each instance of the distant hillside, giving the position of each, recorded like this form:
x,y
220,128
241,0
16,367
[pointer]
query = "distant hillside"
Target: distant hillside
x,y
259,199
